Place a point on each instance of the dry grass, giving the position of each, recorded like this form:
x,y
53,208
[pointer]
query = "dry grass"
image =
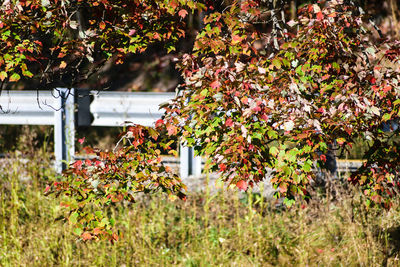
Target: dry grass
x,y
224,229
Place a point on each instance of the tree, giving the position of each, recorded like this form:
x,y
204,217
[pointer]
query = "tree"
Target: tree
x,y
255,99
61,43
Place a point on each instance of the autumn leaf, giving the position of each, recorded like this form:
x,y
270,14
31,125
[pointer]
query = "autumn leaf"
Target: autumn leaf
x,y
215,85
229,122
222,167
242,185
86,236
102,25
15,77
3,75
341,141
63,65
236,39
182,13
172,129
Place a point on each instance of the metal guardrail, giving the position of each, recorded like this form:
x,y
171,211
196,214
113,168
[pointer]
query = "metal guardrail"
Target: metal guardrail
x,y
344,166
67,108
114,108
27,107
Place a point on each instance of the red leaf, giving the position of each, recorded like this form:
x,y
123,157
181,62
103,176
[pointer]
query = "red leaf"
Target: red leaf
x,y
215,84
229,122
323,158
222,167
320,16
242,185
81,140
387,88
182,13
159,123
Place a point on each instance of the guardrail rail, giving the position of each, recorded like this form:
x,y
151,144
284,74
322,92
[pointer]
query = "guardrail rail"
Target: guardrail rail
x,y
67,108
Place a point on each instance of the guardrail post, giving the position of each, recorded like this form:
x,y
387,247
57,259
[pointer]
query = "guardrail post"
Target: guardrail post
x,y
64,127
189,164
184,162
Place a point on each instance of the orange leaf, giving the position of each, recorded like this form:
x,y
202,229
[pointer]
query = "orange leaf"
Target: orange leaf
x,y
215,84
242,185
86,236
3,75
63,65
236,39
102,25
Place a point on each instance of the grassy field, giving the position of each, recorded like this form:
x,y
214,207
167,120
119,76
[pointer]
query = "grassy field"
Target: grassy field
x,y
223,229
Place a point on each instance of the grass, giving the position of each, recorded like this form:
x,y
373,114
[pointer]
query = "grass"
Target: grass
x,y
222,229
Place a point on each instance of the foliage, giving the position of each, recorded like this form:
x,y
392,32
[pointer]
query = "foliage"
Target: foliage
x,y
66,41
234,229
113,177
252,112
255,100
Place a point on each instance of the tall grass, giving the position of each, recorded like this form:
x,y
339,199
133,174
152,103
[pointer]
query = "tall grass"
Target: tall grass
x,y
221,229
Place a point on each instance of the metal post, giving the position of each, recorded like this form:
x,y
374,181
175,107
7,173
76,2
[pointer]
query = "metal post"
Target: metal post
x,y
189,164
195,164
64,128
184,162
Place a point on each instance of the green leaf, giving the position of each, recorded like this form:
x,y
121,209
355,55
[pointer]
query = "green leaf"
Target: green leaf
x,y
27,73
274,151
276,63
288,202
306,167
386,117
257,135
78,231
74,218
15,77
272,134
204,92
